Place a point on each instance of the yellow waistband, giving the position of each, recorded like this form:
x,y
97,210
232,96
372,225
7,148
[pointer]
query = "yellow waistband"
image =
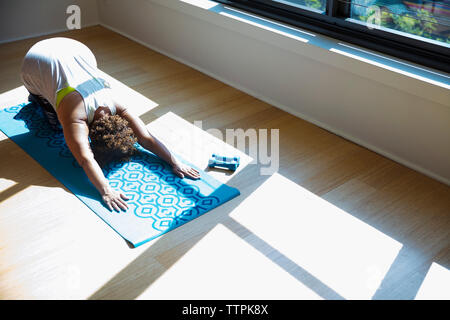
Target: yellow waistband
x,y
62,93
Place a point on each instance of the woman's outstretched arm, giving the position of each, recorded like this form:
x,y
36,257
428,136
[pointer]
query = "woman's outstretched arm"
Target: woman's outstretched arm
x,y
76,136
72,116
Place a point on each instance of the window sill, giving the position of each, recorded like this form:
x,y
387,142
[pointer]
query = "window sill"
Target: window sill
x,y
402,75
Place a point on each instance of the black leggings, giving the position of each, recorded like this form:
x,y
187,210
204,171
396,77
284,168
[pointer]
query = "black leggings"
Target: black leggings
x,y
48,110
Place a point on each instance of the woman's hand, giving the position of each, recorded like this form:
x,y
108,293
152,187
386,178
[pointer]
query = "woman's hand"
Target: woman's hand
x,y
182,171
115,200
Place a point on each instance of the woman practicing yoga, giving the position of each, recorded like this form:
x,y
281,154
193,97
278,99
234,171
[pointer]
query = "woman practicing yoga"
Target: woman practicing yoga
x,y
61,76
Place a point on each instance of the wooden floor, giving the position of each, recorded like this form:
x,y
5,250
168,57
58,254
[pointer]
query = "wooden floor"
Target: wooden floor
x,y
337,221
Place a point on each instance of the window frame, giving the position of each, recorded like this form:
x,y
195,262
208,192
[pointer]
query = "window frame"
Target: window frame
x,y
332,23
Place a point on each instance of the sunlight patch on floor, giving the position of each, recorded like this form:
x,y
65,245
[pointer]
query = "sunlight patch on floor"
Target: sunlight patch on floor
x,y
223,266
341,251
194,144
436,285
3,136
13,97
6,184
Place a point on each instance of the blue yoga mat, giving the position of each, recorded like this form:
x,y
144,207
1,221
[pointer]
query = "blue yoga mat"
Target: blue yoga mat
x,y
159,200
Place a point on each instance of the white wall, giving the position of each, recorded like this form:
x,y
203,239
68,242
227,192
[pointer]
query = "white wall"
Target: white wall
x,y
393,114
20,19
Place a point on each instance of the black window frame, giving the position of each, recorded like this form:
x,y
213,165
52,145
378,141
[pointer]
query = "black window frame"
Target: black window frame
x,y
332,23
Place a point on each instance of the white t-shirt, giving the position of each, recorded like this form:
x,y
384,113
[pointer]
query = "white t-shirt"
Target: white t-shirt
x,y
54,64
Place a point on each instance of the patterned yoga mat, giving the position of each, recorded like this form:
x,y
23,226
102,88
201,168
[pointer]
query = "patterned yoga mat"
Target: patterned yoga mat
x,y
159,200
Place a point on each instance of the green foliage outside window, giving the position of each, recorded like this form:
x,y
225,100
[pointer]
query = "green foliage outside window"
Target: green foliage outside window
x,y
316,4
421,23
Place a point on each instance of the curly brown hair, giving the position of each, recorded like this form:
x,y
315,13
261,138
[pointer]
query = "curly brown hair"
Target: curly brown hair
x,y
111,139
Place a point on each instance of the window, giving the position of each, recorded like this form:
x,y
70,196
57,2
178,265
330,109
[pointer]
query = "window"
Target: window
x,y
415,30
